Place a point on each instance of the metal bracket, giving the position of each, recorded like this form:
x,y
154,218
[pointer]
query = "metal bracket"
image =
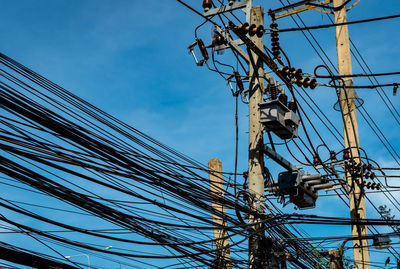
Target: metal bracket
x,y
223,9
308,5
247,10
238,42
234,44
335,187
332,164
291,6
280,160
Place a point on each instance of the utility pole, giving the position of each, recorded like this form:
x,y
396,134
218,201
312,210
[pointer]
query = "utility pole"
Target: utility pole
x,y
254,16
221,244
348,107
256,158
347,99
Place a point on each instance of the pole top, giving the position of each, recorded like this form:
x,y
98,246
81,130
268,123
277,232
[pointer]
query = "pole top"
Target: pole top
x,y
214,161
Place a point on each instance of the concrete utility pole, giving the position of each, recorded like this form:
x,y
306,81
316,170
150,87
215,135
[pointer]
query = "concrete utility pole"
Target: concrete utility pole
x,y
221,244
256,158
348,107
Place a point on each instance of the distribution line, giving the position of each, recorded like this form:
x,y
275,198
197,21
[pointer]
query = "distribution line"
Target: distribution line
x,y
338,24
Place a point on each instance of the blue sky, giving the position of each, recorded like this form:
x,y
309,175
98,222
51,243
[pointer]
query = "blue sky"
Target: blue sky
x,y
130,58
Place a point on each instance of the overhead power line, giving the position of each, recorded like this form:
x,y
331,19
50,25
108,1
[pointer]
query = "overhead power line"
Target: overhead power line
x,y
361,75
195,11
29,258
338,24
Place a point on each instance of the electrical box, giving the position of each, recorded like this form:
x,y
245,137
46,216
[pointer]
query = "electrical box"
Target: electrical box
x,y
292,122
287,181
303,197
279,119
291,183
382,242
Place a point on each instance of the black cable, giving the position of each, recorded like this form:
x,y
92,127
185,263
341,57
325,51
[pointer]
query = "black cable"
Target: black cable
x,y
362,75
195,11
338,24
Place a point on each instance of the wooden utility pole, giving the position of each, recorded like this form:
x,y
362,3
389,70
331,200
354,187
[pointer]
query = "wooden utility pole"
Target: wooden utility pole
x,y
221,244
334,259
256,158
347,101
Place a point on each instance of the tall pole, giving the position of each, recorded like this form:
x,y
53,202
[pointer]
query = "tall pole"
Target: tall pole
x,y
256,161
348,107
221,243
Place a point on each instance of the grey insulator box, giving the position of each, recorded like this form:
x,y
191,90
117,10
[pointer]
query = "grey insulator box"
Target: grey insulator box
x,y
382,242
276,117
302,198
291,119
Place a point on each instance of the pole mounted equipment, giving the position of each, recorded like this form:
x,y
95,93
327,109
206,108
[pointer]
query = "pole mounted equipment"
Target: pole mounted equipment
x,y
276,117
207,5
203,50
275,40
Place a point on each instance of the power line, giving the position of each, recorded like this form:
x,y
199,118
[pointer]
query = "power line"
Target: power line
x,y
338,24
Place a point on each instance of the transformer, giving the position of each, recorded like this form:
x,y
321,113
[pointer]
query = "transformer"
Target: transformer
x,y
279,119
381,242
293,183
303,197
288,180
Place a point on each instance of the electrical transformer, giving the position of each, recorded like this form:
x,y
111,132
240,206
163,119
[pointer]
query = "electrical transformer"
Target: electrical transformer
x,y
292,184
279,119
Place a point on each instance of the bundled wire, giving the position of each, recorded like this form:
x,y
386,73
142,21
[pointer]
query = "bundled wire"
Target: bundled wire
x,y
55,143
